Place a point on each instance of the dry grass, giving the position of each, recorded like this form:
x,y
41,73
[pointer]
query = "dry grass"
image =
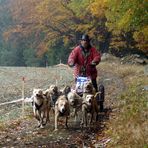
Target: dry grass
x,y
121,70
129,127
35,77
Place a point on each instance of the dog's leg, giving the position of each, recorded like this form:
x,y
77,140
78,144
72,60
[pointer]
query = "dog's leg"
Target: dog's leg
x,y
56,122
47,113
96,110
42,115
91,118
37,116
85,119
66,122
75,115
40,120
84,116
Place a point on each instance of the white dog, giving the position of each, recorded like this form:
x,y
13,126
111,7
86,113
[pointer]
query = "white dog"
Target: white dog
x,y
75,102
89,110
40,107
61,110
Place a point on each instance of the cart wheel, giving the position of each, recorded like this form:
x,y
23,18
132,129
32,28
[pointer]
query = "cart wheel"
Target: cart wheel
x,y
101,96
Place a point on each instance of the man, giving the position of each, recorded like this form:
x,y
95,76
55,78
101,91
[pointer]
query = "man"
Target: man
x,y
84,58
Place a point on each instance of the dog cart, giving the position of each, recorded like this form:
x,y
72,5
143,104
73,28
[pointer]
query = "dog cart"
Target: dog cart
x,y
100,95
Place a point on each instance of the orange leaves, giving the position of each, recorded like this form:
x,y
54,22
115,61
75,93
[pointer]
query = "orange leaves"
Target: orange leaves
x,y
48,22
141,37
98,8
22,10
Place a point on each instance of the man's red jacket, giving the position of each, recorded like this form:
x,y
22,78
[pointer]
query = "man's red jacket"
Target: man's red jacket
x,y
82,62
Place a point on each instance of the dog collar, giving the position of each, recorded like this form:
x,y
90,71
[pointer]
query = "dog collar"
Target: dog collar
x,y
62,114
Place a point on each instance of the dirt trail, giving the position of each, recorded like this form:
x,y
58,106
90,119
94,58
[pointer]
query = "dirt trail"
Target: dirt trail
x,y
23,133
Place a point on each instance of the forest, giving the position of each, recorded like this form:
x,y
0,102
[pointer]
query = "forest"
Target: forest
x,y
43,32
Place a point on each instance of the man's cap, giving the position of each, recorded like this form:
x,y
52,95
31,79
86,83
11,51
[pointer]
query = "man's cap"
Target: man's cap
x,y
85,37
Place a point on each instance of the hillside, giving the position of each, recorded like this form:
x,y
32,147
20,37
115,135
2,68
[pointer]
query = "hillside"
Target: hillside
x,y
125,108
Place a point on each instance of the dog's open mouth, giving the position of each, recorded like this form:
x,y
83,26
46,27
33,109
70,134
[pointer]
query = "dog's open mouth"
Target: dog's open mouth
x,y
38,95
62,112
71,101
87,89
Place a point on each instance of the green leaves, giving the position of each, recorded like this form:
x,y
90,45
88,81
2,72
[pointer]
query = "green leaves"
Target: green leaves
x,y
80,8
47,23
129,16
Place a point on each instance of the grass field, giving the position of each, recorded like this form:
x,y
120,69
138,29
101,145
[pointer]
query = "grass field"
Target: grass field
x,y
125,126
11,79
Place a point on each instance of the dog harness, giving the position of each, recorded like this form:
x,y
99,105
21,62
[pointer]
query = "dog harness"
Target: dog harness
x,y
38,106
89,108
62,114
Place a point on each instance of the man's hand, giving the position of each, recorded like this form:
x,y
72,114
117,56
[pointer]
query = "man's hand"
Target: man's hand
x,y
71,64
93,64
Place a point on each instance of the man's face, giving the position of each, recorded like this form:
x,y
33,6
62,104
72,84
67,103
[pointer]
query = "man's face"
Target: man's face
x,y
84,43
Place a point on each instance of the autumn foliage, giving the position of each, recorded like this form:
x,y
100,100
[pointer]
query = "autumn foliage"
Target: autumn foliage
x,y
113,24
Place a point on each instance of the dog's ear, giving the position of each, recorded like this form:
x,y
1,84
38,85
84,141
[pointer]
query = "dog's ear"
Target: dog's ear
x,y
40,92
77,96
45,92
34,90
56,104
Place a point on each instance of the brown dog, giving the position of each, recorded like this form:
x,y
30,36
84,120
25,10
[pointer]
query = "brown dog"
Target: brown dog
x,y
62,109
88,87
52,95
65,90
40,107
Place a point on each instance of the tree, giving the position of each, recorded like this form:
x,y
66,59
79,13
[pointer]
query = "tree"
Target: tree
x,y
129,16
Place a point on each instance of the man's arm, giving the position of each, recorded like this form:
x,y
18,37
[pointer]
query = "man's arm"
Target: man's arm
x,y
72,58
96,57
